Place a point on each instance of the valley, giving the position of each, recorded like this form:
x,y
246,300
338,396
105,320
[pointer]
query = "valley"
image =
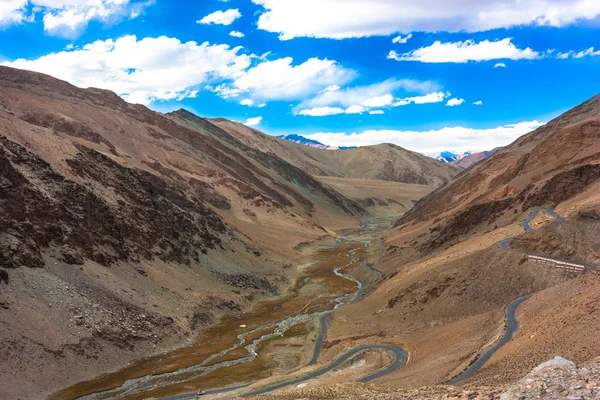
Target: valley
x,y
251,347
158,255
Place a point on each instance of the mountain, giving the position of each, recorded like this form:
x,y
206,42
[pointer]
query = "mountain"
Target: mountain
x,y
124,231
312,143
448,156
459,257
474,158
305,141
381,162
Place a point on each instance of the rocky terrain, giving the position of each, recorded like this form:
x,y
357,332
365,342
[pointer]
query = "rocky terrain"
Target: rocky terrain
x,y
385,162
554,379
447,282
124,232
474,158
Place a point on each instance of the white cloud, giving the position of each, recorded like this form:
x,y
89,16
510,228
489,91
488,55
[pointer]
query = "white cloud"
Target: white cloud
x,y
360,18
262,105
247,102
401,39
142,71
69,18
12,12
221,17
253,121
499,65
376,112
325,111
478,103
369,95
469,50
580,54
380,101
455,139
436,97
355,109
280,80
454,102
321,111
237,34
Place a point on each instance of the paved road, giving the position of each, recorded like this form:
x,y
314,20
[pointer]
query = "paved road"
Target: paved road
x,y
320,338
399,361
511,310
505,244
511,327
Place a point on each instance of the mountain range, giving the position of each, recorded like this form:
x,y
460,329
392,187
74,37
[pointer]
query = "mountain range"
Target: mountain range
x,y
129,238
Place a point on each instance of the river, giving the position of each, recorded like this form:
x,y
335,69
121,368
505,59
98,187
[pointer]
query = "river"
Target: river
x,y
239,349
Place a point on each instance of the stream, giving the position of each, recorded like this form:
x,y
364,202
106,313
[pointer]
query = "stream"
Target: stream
x,y
181,371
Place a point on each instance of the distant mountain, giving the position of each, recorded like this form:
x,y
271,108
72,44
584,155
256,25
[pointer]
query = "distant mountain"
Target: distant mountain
x,y
381,162
448,156
305,141
312,143
471,159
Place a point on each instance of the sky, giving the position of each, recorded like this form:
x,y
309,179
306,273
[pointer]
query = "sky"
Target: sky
x,y
428,75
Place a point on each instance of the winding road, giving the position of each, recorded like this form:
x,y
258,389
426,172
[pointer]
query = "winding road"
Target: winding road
x,y
400,357
399,361
511,327
511,311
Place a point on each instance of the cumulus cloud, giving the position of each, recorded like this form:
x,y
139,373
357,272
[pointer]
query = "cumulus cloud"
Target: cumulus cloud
x,y
456,139
360,18
143,71
321,111
246,102
237,34
281,80
499,65
325,111
580,54
478,103
469,50
12,12
253,121
436,97
355,109
454,102
380,101
334,100
368,95
401,39
221,17
376,112
69,18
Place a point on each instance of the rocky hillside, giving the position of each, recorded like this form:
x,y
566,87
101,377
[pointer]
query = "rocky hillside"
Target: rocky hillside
x,y
123,230
381,162
448,279
546,167
552,380
474,158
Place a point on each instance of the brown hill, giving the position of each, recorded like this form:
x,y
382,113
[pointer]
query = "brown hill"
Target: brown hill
x,y
546,167
447,282
124,229
385,162
474,158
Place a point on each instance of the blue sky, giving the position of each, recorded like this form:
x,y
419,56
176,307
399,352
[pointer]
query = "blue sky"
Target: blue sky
x,y
342,72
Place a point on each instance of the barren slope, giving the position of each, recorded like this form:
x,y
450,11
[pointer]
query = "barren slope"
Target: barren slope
x,y
381,162
124,231
446,282
474,158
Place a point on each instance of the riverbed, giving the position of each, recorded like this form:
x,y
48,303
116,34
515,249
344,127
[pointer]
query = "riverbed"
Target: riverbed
x,y
247,348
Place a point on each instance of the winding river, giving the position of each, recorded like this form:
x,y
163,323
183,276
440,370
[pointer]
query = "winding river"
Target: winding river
x,y
234,358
